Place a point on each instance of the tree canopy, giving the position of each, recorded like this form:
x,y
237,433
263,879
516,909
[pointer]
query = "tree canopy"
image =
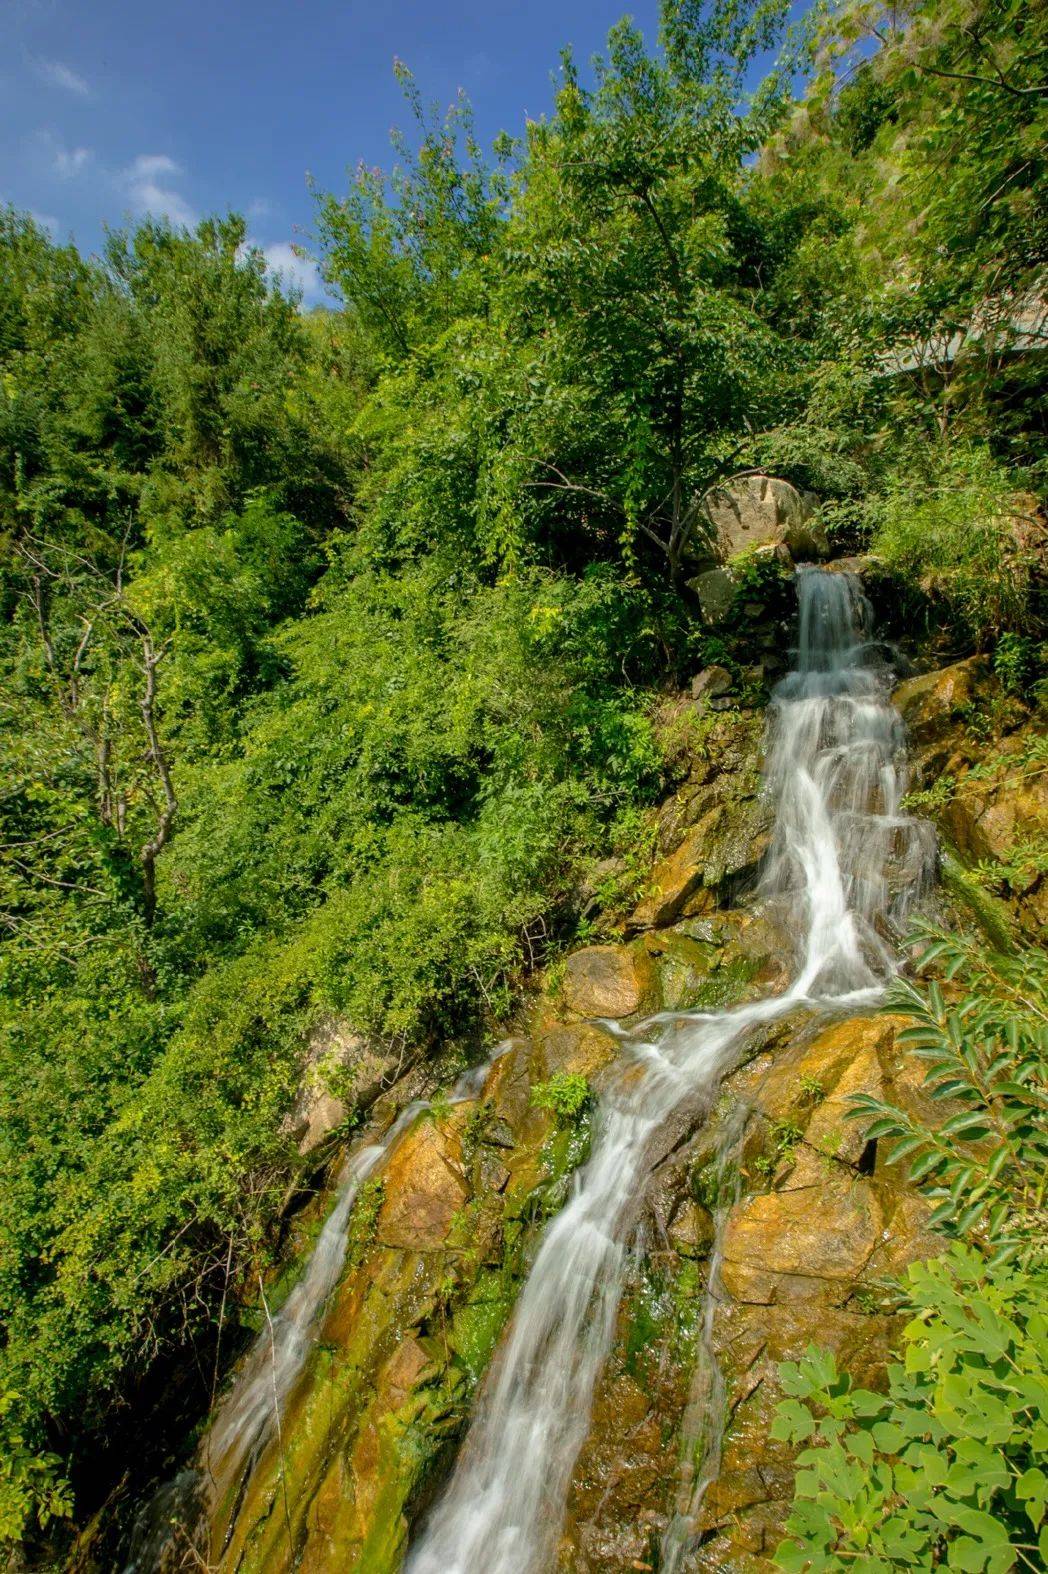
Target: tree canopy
x,y
330,639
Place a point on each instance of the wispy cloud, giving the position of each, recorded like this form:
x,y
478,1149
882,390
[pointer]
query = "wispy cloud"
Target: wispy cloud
x,y
300,271
148,183
48,156
58,74
69,162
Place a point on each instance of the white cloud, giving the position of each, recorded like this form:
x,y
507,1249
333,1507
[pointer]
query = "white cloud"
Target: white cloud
x,y
46,222
69,162
147,182
63,76
300,271
149,166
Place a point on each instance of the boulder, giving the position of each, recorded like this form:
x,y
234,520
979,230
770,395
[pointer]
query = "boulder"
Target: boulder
x,y
340,1070
673,881
607,981
715,592
760,510
990,819
575,1049
710,684
808,1242
933,703
727,842
423,1188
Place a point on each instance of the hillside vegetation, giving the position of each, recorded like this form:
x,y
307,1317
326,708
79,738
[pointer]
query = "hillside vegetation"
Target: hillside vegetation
x,y
332,641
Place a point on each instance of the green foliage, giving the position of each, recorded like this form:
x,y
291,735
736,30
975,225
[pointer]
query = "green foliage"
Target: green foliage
x,y
956,532
931,800
330,643
1014,658
785,1135
985,1166
32,1485
945,1470
364,1219
566,1095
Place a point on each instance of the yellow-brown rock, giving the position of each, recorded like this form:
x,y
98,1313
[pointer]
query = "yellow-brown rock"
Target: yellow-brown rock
x,y
805,1242
608,981
572,1049
672,882
933,702
423,1188
844,1058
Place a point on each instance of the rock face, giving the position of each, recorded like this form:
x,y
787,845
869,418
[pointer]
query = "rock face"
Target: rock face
x,y
725,842
607,981
436,1247
760,510
424,1187
803,1257
775,1185
978,756
817,1223
934,707
342,1073
710,684
715,591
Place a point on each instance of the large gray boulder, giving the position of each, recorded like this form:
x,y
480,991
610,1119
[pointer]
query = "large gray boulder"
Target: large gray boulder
x,y
761,510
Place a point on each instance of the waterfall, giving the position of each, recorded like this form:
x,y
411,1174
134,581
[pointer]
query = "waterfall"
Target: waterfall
x,y
252,1410
843,865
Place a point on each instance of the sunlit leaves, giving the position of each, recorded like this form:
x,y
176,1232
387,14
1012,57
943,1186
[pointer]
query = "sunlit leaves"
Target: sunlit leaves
x,y
942,1470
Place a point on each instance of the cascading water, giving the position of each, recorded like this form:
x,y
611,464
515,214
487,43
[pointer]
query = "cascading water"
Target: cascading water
x,y
252,1410
844,862
254,1405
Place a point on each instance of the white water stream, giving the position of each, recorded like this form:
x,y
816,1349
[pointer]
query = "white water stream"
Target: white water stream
x,y
252,1410
844,862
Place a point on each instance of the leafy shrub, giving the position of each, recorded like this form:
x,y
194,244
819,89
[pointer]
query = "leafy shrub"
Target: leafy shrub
x,y
958,533
1013,659
985,1166
32,1486
944,1469
565,1095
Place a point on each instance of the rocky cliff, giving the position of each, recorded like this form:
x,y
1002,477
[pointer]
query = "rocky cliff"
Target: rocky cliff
x,y
767,1222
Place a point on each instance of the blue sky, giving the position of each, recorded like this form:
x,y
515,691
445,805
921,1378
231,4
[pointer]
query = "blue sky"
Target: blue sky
x,y
110,109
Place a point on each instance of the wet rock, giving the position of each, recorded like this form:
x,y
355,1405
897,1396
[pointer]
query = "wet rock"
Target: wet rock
x,y
673,881
607,981
624,1480
994,803
744,1511
691,1231
805,1242
932,704
991,819
576,1049
508,1088
804,1262
728,840
423,1188
684,967
844,1057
